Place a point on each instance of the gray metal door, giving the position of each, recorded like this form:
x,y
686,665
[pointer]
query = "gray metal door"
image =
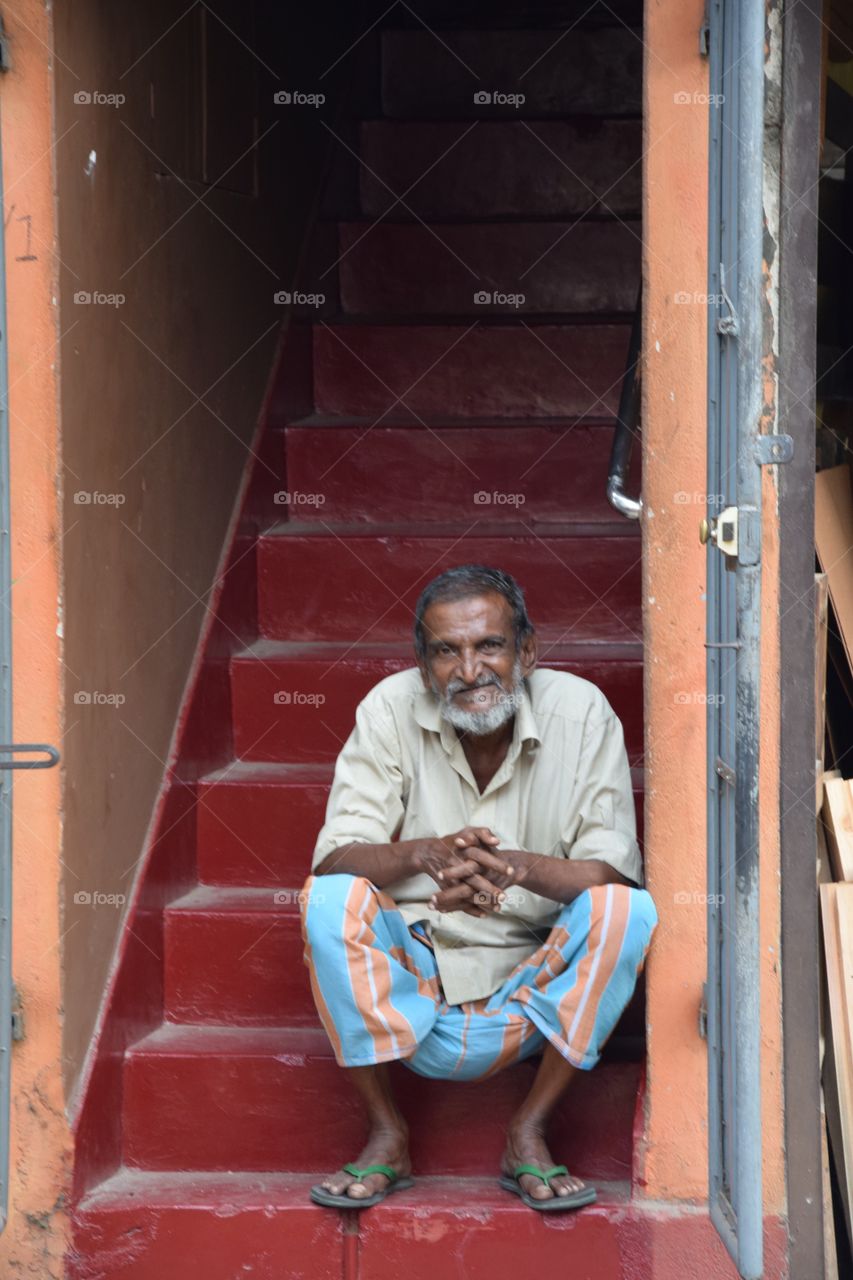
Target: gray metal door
x,y
736,453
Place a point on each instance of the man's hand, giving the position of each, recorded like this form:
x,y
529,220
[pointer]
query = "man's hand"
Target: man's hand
x,y
473,882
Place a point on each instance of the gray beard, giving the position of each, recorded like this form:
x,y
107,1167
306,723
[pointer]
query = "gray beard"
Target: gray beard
x,y
481,722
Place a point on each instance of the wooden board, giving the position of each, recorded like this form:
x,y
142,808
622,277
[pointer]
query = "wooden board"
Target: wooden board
x,y
834,543
838,823
821,596
830,1253
837,915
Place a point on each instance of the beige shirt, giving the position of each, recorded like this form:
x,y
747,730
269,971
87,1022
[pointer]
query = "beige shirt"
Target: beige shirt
x,y
564,790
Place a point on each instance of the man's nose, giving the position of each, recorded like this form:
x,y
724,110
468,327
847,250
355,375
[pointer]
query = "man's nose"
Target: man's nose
x,y
471,666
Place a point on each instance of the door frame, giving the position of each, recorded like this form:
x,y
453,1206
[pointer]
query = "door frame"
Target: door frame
x,y
800,146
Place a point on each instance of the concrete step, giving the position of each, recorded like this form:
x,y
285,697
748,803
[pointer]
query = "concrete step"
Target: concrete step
x,y
296,702
238,1098
466,169
487,268
257,825
438,74
141,1224
557,470
470,371
347,583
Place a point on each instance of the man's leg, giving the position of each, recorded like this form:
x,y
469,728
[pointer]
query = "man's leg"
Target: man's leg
x,y
377,993
574,988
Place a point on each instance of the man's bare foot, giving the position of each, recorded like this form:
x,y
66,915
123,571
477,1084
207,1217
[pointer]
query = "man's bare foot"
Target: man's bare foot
x,y
384,1146
525,1144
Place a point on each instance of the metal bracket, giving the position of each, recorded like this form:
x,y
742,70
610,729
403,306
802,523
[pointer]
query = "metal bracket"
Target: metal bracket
x,y
705,34
727,325
5,59
17,1014
725,771
703,1012
770,449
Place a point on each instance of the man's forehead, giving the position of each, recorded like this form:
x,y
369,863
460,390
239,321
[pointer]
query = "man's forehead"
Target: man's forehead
x,y
486,613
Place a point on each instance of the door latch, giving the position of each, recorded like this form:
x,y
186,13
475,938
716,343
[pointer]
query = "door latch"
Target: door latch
x,y
722,531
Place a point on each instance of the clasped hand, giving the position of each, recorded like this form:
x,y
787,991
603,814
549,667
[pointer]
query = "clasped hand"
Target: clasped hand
x,y
472,875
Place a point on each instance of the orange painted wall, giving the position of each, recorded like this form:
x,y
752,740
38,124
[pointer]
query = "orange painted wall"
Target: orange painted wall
x,y
34,1239
675,1152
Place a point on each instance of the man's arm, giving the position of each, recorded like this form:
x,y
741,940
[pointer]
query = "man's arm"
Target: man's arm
x,y
560,879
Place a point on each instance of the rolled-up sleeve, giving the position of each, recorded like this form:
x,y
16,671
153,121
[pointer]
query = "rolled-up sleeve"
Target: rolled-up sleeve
x,y
601,820
366,800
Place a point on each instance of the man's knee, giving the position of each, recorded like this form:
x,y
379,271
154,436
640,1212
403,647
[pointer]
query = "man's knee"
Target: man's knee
x,y
622,901
324,899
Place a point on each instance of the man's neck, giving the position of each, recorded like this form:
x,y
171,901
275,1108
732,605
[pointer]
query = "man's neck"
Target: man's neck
x,y
487,747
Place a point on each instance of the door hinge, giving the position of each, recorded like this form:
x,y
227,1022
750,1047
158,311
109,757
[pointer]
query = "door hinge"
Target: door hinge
x,y
17,1014
5,59
705,34
703,1012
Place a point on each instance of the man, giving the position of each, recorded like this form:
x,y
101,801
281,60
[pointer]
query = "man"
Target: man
x,y
521,930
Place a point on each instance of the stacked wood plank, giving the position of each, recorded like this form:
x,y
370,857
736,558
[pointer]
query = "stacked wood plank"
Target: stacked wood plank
x,y
834,802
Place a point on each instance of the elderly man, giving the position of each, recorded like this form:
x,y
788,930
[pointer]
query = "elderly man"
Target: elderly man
x,y
522,929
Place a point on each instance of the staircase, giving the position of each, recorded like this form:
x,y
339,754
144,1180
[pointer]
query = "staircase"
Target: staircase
x,y
440,429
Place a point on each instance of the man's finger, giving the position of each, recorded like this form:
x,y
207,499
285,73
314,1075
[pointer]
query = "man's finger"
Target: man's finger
x,y
455,871
493,862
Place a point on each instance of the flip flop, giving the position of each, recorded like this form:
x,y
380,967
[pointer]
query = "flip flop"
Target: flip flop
x,y
574,1200
321,1196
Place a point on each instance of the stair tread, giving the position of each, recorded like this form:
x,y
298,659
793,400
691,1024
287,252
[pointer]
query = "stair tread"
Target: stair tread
x,y
423,530
433,423
129,1187
271,772
271,650
240,898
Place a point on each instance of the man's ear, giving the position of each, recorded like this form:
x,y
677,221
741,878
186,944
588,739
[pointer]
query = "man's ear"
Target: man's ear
x,y
528,653
424,675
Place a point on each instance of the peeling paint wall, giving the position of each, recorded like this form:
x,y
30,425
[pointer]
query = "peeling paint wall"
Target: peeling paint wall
x,y
33,1242
674,1153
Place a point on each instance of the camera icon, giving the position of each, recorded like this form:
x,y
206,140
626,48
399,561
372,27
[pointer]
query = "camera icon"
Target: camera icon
x,y
482,298
82,98
81,297
282,298
83,896
482,98
482,498
681,97
282,98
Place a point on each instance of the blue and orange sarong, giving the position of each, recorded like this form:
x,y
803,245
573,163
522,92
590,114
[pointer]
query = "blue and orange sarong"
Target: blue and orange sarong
x,y
379,996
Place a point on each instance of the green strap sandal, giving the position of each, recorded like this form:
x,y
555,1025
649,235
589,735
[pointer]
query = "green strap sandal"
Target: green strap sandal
x,y
554,1203
321,1196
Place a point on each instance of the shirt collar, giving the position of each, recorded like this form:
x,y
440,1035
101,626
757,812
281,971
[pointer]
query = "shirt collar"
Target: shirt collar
x,y
428,716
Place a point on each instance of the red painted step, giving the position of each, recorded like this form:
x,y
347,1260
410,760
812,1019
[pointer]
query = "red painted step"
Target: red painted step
x,y
257,827
354,584
255,821
468,169
234,955
296,702
336,466
479,370
410,269
428,74
142,1225
274,1098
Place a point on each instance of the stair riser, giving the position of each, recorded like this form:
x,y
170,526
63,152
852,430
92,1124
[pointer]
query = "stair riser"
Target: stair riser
x,y
477,169
505,371
365,588
411,270
244,970
307,731
595,72
341,464
256,834
270,849
257,1112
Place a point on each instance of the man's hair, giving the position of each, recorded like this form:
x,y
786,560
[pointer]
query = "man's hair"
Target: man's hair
x,y
464,582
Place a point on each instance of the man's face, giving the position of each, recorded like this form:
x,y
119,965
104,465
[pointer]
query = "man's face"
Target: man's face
x,y
472,665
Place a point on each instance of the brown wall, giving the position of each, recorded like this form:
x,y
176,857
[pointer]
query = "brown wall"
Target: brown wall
x,y
159,393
